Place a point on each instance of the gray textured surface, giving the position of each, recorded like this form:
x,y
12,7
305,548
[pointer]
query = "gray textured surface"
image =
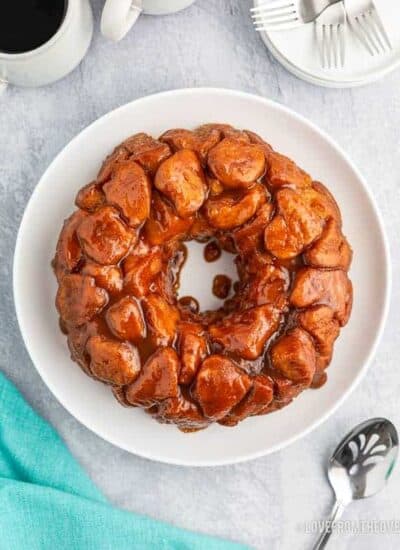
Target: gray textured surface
x,y
265,502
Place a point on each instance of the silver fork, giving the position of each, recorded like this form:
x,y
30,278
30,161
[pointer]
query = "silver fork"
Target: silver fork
x,y
330,34
364,20
286,14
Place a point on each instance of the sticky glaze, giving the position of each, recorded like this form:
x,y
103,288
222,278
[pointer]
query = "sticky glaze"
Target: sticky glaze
x,y
120,255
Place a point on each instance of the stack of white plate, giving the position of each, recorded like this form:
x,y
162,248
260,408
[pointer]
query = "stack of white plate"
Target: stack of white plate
x,y
296,49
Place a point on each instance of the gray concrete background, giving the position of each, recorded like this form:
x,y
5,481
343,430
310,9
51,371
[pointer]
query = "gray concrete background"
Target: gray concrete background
x,y
264,502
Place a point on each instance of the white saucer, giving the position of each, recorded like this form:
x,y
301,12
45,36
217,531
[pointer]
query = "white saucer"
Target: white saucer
x,y
297,51
35,286
160,7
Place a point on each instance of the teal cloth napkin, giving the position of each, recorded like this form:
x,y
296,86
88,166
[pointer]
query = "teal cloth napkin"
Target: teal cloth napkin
x,y
48,502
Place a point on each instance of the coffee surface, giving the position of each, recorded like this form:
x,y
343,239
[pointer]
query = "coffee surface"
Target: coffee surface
x,y
27,24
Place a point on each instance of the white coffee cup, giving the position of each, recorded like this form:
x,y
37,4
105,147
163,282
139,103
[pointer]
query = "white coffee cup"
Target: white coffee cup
x,y
120,15
55,58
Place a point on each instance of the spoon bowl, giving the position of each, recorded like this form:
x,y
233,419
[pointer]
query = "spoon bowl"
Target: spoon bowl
x,y
364,460
360,466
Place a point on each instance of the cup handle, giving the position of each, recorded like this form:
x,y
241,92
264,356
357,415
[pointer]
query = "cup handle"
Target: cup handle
x,y
118,17
3,85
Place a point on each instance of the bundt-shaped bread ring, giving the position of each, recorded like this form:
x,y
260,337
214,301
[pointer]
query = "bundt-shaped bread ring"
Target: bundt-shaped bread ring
x,y
119,256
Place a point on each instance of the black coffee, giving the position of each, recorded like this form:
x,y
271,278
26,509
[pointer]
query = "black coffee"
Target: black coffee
x,y
27,24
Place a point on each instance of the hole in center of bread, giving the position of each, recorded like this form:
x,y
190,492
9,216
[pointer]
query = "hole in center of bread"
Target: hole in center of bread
x,y
197,275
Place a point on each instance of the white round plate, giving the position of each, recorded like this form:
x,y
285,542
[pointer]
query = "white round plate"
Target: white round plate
x,y
296,49
35,286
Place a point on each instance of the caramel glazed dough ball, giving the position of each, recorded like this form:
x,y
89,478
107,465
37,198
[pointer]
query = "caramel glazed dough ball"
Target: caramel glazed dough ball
x,y
119,256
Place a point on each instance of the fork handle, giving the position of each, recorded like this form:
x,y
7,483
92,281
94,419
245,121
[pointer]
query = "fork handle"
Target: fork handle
x,y
328,4
336,513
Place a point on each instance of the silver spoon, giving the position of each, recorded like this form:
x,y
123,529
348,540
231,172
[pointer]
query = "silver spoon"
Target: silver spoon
x,y
360,466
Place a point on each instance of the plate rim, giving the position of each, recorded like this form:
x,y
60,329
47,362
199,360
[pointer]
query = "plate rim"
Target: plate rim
x,y
387,268
306,76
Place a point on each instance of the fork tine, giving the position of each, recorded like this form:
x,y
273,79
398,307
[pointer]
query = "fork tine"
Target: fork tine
x,y
274,19
341,44
326,46
379,30
329,34
370,32
323,45
332,42
272,5
284,18
335,45
331,47
320,31
379,24
364,35
375,31
273,13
